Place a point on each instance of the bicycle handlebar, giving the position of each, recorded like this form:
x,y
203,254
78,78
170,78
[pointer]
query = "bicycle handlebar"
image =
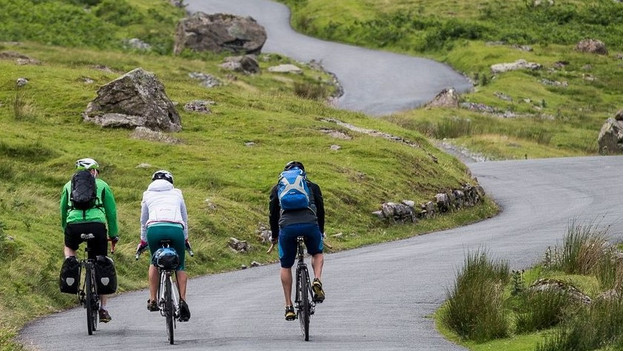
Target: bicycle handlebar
x,y
270,248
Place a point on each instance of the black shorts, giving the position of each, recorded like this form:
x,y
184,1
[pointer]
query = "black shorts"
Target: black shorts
x,y
98,246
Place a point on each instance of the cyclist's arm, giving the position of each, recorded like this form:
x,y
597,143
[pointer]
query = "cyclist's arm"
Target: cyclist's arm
x,y
64,206
274,212
320,207
110,208
144,218
184,214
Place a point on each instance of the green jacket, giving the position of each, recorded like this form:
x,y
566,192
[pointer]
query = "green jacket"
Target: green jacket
x,y
105,213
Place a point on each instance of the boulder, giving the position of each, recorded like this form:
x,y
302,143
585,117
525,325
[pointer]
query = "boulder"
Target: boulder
x,y
610,136
445,98
219,32
136,99
518,64
592,46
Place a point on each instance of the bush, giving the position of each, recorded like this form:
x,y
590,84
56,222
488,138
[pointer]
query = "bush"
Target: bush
x,y
475,305
313,91
540,310
583,249
598,326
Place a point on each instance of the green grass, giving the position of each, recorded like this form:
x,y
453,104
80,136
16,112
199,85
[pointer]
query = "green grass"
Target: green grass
x,y
225,181
552,121
551,319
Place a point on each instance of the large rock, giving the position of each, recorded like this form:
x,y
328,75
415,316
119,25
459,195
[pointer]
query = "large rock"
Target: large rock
x,y
219,32
593,46
445,98
610,136
136,99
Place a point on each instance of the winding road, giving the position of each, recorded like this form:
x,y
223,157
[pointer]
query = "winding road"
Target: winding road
x,y
374,82
379,297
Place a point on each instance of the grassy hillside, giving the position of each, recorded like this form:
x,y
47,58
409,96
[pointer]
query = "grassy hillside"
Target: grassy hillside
x,y
225,179
557,110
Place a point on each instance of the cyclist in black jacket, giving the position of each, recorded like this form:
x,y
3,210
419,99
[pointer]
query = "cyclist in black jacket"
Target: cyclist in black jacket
x,y
287,226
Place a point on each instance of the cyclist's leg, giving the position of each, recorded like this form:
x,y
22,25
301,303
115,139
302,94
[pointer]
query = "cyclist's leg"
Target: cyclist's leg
x,y
287,248
72,239
314,244
98,246
154,235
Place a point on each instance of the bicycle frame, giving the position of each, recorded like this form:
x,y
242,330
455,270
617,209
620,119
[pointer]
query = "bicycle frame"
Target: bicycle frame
x,y
87,294
303,291
168,295
168,299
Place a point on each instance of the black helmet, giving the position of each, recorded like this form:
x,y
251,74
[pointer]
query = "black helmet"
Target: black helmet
x,y
162,174
294,164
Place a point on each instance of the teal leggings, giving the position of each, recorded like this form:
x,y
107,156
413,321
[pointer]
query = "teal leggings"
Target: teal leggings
x,y
174,232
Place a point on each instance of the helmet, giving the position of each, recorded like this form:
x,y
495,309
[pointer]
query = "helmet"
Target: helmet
x,y
294,164
86,164
166,258
162,174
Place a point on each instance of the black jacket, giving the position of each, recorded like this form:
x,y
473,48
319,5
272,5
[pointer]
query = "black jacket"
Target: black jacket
x,y
278,219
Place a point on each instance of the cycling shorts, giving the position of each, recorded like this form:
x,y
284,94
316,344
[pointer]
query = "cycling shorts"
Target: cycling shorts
x,y
171,231
98,246
287,243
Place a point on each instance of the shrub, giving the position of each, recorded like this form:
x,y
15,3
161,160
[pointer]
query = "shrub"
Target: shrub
x,y
583,249
540,310
475,305
313,91
453,128
597,326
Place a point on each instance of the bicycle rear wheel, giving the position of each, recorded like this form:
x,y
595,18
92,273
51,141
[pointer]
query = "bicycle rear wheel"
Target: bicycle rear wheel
x,y
303,309
169,312
91,302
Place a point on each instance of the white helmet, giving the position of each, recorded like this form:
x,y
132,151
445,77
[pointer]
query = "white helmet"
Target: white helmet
x,y
162,174
86,164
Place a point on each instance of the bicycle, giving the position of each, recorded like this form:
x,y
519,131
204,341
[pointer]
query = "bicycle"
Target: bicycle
x,y
304,303
168,295
88,295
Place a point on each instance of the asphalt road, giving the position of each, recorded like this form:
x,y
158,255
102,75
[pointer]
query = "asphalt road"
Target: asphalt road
x,y
375,82
379,297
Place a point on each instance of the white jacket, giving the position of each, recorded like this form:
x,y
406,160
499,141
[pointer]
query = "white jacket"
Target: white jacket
x,y
162,203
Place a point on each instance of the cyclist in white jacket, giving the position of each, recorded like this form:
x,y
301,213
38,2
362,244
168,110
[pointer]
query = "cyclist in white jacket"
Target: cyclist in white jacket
x,y
163,216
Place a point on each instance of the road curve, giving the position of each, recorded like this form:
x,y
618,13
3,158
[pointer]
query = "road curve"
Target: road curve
x,y
380,297
374,82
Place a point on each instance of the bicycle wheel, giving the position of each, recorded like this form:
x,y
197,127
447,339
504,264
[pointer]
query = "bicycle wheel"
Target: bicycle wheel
x,y
91,311
169,312
303,309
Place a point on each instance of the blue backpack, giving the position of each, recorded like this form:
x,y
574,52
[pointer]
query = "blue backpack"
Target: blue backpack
x,y
292,190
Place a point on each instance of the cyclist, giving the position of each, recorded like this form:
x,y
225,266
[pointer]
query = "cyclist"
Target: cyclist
x,y
93,220
287,226
164,216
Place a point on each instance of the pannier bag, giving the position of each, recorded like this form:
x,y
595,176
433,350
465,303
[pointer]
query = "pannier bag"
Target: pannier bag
x,y
166,258
105,275
69,279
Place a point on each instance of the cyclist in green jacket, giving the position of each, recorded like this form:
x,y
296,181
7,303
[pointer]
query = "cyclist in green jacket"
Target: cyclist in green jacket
x,y
93,220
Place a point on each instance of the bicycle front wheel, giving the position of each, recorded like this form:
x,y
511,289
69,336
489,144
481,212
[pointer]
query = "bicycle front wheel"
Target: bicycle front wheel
x,y
303,309
91,302
169,311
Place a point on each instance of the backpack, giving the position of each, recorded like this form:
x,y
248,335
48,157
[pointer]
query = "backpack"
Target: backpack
x,y
105,275
292,190
83,194
69,279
